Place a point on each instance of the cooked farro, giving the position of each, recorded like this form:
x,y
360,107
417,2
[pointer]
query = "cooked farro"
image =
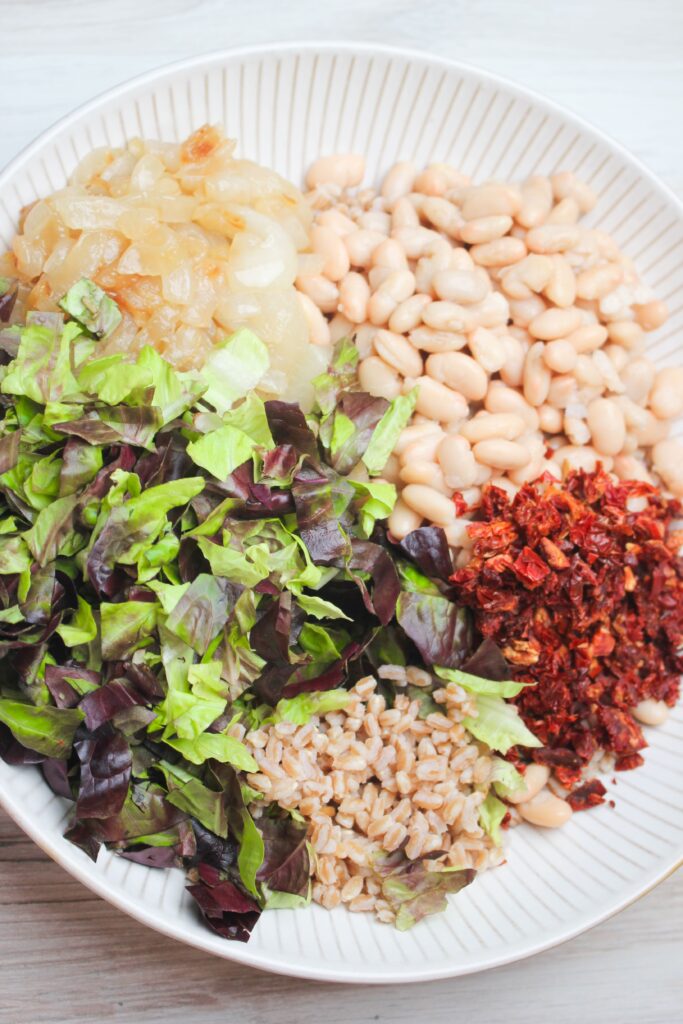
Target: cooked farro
x,y
372,780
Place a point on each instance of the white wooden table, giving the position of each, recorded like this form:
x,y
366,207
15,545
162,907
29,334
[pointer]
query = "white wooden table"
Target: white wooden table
x,y
68,957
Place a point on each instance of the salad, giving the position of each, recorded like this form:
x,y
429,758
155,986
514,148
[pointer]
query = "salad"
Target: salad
x,y
295,595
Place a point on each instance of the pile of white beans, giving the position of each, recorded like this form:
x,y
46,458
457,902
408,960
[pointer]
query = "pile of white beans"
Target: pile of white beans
x,y
523,331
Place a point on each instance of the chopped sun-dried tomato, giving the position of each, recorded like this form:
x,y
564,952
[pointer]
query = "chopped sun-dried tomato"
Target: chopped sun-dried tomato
x,y
585,599
589,795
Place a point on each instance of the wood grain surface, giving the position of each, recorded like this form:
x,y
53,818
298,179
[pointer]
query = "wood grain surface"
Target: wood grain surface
x,y
67,956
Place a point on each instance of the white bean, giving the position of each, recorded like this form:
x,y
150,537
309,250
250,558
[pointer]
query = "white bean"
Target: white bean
x,y
337,222
626,333
331,247
457,462
379,379
460,372
340,327
408,314
492,311
552,238
566,212
398,181
403,520
318,327
415,432
461,286
487,349
537,377
546,810
428,339
354,295
389,254
440,402
363,338
651,315
667,459
565,184
638,377
424,448
587,373
437,179
554,323
666,397
427,473
448,316
499,253
562,391
586,458
550,419
490,200
537,201
485,229
397,351
618,357
560,356
500,398
561,288
429,503
588,338
598,281
404,215
484,426
627,467
607,427
360,246
343,169
512,370
375,220
651,712
535,778
501,454
323,292
523,311
415,241
443,215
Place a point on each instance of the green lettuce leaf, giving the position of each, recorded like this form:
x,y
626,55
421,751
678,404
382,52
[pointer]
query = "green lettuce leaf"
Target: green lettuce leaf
x,y
42,369
218,746
233,369
221,451
505,778
53,534
47,730
251,853
499,725
92,308
475,684
82,628
378,500
125,627
386,433
301,708
248,567
491,813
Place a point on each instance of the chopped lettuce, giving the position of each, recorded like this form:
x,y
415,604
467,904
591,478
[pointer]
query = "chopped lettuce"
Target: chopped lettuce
x,y
301,709
387,432
499,725
234,368
47,730
475,684
92,308
491,813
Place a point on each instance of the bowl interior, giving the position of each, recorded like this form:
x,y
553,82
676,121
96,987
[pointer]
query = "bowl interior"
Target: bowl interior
x,y
286,105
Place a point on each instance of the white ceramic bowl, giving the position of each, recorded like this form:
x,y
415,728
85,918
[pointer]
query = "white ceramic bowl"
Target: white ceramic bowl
x,y
285,105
